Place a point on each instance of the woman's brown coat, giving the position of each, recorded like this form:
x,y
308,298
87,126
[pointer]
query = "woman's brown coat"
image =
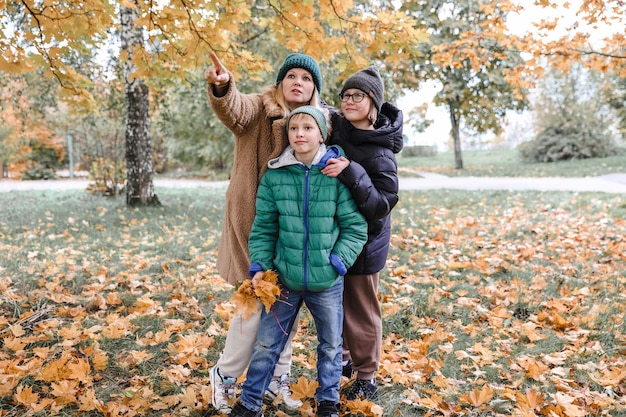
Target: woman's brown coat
x,y
258,124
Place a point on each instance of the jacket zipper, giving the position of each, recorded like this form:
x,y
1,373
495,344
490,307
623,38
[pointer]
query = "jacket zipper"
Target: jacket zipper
x,y
306,229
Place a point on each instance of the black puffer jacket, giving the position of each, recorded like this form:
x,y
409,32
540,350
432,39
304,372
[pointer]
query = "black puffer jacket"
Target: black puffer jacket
x,y
372,178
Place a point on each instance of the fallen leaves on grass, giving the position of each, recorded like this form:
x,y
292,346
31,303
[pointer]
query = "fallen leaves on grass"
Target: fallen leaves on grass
x,y
492,306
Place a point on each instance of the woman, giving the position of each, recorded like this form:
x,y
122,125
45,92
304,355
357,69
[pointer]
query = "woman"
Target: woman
x,y
258,123
370,132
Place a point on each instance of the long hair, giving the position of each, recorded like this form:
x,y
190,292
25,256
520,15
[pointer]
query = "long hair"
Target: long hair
x,y
277,92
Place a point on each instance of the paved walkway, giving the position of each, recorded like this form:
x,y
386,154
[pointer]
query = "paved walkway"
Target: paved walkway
x,y
614,183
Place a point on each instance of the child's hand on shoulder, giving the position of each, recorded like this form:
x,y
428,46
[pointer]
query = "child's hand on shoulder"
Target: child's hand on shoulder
x,y
335,166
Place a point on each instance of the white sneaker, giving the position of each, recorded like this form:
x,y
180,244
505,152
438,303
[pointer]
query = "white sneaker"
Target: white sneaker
x,y
223,390
280,388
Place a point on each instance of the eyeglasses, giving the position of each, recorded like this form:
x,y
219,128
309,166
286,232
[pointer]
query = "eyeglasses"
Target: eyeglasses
x,y
356,97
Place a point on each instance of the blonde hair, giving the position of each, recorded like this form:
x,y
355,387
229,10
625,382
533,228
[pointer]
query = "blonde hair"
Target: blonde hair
x,y
277,92
372,115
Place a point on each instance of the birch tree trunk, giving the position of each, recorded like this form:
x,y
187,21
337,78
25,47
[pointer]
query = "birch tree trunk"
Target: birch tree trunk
x,y
139,170
455,122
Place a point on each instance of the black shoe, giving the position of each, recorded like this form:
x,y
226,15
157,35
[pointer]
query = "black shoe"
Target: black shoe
x,y
363,389
346,370
326,409
240,411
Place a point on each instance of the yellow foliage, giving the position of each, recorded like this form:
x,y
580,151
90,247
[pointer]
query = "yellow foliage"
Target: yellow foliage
x,y
246,298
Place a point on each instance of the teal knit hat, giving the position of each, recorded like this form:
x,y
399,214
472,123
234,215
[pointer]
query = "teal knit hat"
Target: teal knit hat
x,y
314,112
301,61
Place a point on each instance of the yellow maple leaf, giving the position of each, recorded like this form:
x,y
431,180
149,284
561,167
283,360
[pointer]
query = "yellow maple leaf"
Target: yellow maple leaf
x,y
42,405
534,399
79,369
53,371
244,300
14,343
307,410
42,352
478,397
267,293
188,397
363,407
26,396
303,389
100,360
65,390
534,369
17,330
567,402
88,401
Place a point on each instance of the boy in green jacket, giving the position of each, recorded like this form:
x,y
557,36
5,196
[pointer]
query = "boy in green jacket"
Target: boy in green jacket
x,y
308,229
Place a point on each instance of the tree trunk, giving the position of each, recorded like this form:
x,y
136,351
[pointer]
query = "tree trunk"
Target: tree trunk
x,y
455,122
139,185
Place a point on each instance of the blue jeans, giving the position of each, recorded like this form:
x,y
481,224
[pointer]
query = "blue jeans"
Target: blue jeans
x,y
327,310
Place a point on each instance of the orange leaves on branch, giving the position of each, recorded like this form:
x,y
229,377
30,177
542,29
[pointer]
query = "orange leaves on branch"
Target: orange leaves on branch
x,y
246,298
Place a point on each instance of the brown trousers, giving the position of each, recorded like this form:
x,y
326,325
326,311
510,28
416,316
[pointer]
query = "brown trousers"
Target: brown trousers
x,y
362,324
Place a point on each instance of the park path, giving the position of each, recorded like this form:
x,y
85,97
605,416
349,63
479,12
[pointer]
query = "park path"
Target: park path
x,y
613,183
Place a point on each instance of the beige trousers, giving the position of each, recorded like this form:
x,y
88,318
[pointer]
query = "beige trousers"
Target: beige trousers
x,y
240,344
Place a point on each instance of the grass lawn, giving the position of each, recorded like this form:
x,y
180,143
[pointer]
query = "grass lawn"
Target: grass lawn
x,y
507,163
495,304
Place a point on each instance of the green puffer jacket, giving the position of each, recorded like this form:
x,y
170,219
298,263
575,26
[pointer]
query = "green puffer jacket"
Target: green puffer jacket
x,y
307,226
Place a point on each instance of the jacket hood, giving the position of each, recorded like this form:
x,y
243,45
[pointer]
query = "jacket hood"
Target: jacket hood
x,y
387,132
288,157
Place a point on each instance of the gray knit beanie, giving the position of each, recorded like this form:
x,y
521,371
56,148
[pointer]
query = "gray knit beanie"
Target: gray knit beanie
x,y
368,81
314,112
301,61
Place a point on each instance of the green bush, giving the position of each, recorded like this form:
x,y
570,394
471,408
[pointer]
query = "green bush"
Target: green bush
x,y
563,143
573,119
419,150
42,161
38,171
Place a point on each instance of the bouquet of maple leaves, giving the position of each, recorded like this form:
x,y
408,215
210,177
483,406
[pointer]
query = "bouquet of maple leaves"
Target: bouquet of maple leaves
x,y
246,297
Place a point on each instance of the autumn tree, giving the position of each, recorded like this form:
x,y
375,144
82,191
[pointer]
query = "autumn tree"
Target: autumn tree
x,y
29,146
163,41
587,32
466,55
